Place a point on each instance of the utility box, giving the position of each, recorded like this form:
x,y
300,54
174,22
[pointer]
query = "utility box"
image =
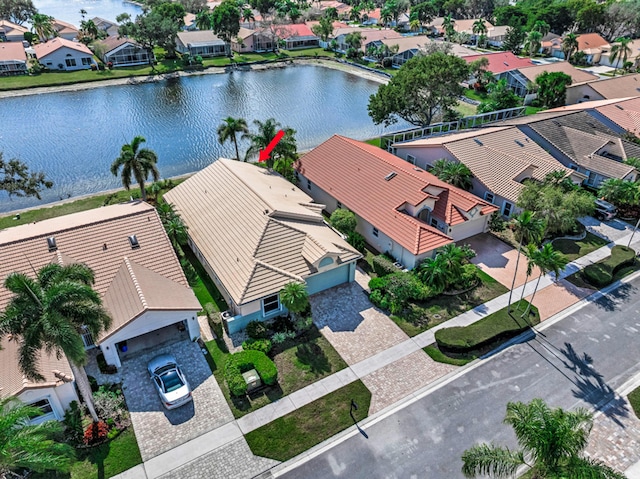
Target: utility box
x,y
252,379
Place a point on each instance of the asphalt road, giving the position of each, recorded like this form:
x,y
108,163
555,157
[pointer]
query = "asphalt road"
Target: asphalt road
x,y
579,361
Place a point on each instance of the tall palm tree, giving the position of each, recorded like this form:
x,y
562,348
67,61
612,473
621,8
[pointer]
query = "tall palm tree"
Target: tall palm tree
x,y
447,25
248,16
294,297
551,442
386,15
267,130
29,446
454,173
229,129
50,313
479,28
534,41
620,51
136,163
528,229
42,25
203,20
569,45
547,259
542,27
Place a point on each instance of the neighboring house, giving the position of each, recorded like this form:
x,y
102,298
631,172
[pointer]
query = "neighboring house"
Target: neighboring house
x,y
496,35
463,25
370,36
137,275
410,46
122,52
548,41
401,209
65,55
371,17
296,36
591,44
520,78
108,27
189,22
254,233
64,30
202,42
499,63
249,40
500,158
13,59
623,86
342,8
622,116
11,32
633,57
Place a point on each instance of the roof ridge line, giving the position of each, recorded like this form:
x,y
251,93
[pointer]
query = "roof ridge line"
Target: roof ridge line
x,y
271,208
143,300
278,270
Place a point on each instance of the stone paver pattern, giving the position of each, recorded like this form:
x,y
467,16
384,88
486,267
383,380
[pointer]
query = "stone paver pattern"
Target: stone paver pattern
x,y
401,378
612,230
353,326
557,297
157,429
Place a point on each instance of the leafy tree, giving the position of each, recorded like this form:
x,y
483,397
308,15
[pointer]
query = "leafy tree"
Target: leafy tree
x,y
547,259
551,442
17,180
225,20
344,221
203,20
267,130
294,297
455,173
500,97
136,163
151,29
423,12
194,6
331,13
42,25
534,42
620,192
17,11
478,69
30,446
354,42
323,29
479,28
620,18
569,45
50,313
263,6
541,27
447,25
480,8
229,130
173,10
423,87
552,88
620,50
513,40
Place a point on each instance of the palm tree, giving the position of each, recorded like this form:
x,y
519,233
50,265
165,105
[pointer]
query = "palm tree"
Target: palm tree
x,y
267,130
447,25
454,173
547,259
534,41
354,42
415,25
355,15
248,16
528,229
29,446
229,129
177,233
50,313
203,20
386,15
137,163
42,25
294,297
620,50
569,45
542,27
479,28
620,192
433,272
551,445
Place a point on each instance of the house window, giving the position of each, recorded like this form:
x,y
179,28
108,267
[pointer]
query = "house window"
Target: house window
x,y
308,184
71,62
86,61
375,232
489,197
338,205
47,411
411,159
507,208
434,222
271,304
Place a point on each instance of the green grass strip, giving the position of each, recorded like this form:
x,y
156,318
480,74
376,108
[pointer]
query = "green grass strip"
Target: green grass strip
x,y
634,399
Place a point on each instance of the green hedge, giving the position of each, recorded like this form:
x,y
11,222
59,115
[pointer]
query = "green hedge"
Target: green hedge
x,y
497,326
601,273
383,265
243,361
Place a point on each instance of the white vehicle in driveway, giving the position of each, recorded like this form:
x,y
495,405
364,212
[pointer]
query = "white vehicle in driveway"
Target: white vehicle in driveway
x,y
170,382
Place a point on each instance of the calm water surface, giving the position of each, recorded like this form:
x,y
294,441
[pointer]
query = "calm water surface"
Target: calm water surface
x,y
69,10
75,136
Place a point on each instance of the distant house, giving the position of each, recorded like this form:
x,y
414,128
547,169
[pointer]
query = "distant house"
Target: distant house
x,y
370,36
202,42
189,22
496,35
621,115
13,59
254,233
501,158
11,32
122,52
64,30
520,78
65,55
401,209
296,36
622,86
343,9
591,44
108,27
499,62
633,57
249,40
463,25
410,46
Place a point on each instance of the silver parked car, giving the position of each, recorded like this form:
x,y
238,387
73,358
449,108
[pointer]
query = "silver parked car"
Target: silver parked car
x,y
172,385
605,211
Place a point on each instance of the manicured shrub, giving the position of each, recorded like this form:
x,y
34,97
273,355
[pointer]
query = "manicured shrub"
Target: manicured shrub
x,y
468,277
378,283
344,221
257,330
96,433
597,274
73,423
281,336
383,266
602,273
243,361
356,240
263,345
497,223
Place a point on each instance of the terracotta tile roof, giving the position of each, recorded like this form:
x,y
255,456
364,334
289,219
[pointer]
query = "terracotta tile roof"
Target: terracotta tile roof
x,y
501,62
293,31
577,75
618,87
499,157
64,27
591,41
113,42
497,31
460,25
12,51
50,46
625,113
339,163
254,228
10,28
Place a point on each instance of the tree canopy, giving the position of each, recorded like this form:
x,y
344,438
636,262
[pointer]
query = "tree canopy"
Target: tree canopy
x,y
552,88
17,11
423,87
225,20
344,221
17,180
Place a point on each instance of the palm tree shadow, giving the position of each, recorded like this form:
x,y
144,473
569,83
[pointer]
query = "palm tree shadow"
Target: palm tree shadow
x,y
591,387
615,299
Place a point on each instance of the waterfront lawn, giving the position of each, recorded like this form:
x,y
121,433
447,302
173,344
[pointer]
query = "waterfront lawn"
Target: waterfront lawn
x,y
574,249
290,435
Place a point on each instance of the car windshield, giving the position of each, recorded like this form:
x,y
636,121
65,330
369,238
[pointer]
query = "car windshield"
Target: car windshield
x,y
171,381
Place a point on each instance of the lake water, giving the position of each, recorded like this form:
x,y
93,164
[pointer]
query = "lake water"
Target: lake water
x,y
75,136
69,10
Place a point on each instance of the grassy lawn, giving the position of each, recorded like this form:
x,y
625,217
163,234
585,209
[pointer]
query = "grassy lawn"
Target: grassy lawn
x,y
466,109
574,249
302,429
374,142
205,289
634,399
442,308
474,95
102,462
532,110
300,362
437,355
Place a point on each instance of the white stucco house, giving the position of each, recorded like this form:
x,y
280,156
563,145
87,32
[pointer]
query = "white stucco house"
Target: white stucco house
x,y
64,55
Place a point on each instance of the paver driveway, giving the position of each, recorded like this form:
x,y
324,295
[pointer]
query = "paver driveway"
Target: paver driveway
x,y
158,430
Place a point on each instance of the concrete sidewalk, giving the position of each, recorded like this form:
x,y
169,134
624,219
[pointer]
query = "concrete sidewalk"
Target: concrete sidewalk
x,y
231,432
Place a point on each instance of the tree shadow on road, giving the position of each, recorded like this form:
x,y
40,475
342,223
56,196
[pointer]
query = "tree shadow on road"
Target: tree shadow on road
x,y
613,300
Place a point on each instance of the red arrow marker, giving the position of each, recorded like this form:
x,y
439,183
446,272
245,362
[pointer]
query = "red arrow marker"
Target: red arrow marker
x,y
264,154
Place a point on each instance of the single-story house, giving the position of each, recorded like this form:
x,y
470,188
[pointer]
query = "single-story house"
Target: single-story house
x,y
501,158
343,9
633,57
462,25
499,62
296,36
13,59
410,46
622,115
64,30
623,86
591,44
11,32
108,27
401,209
249,40
62,54
137,275
204,43
254,233
189,22
370,36
123,52
519,78
496,35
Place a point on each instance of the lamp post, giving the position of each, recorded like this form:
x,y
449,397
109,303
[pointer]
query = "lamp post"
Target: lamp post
x,y
635,228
